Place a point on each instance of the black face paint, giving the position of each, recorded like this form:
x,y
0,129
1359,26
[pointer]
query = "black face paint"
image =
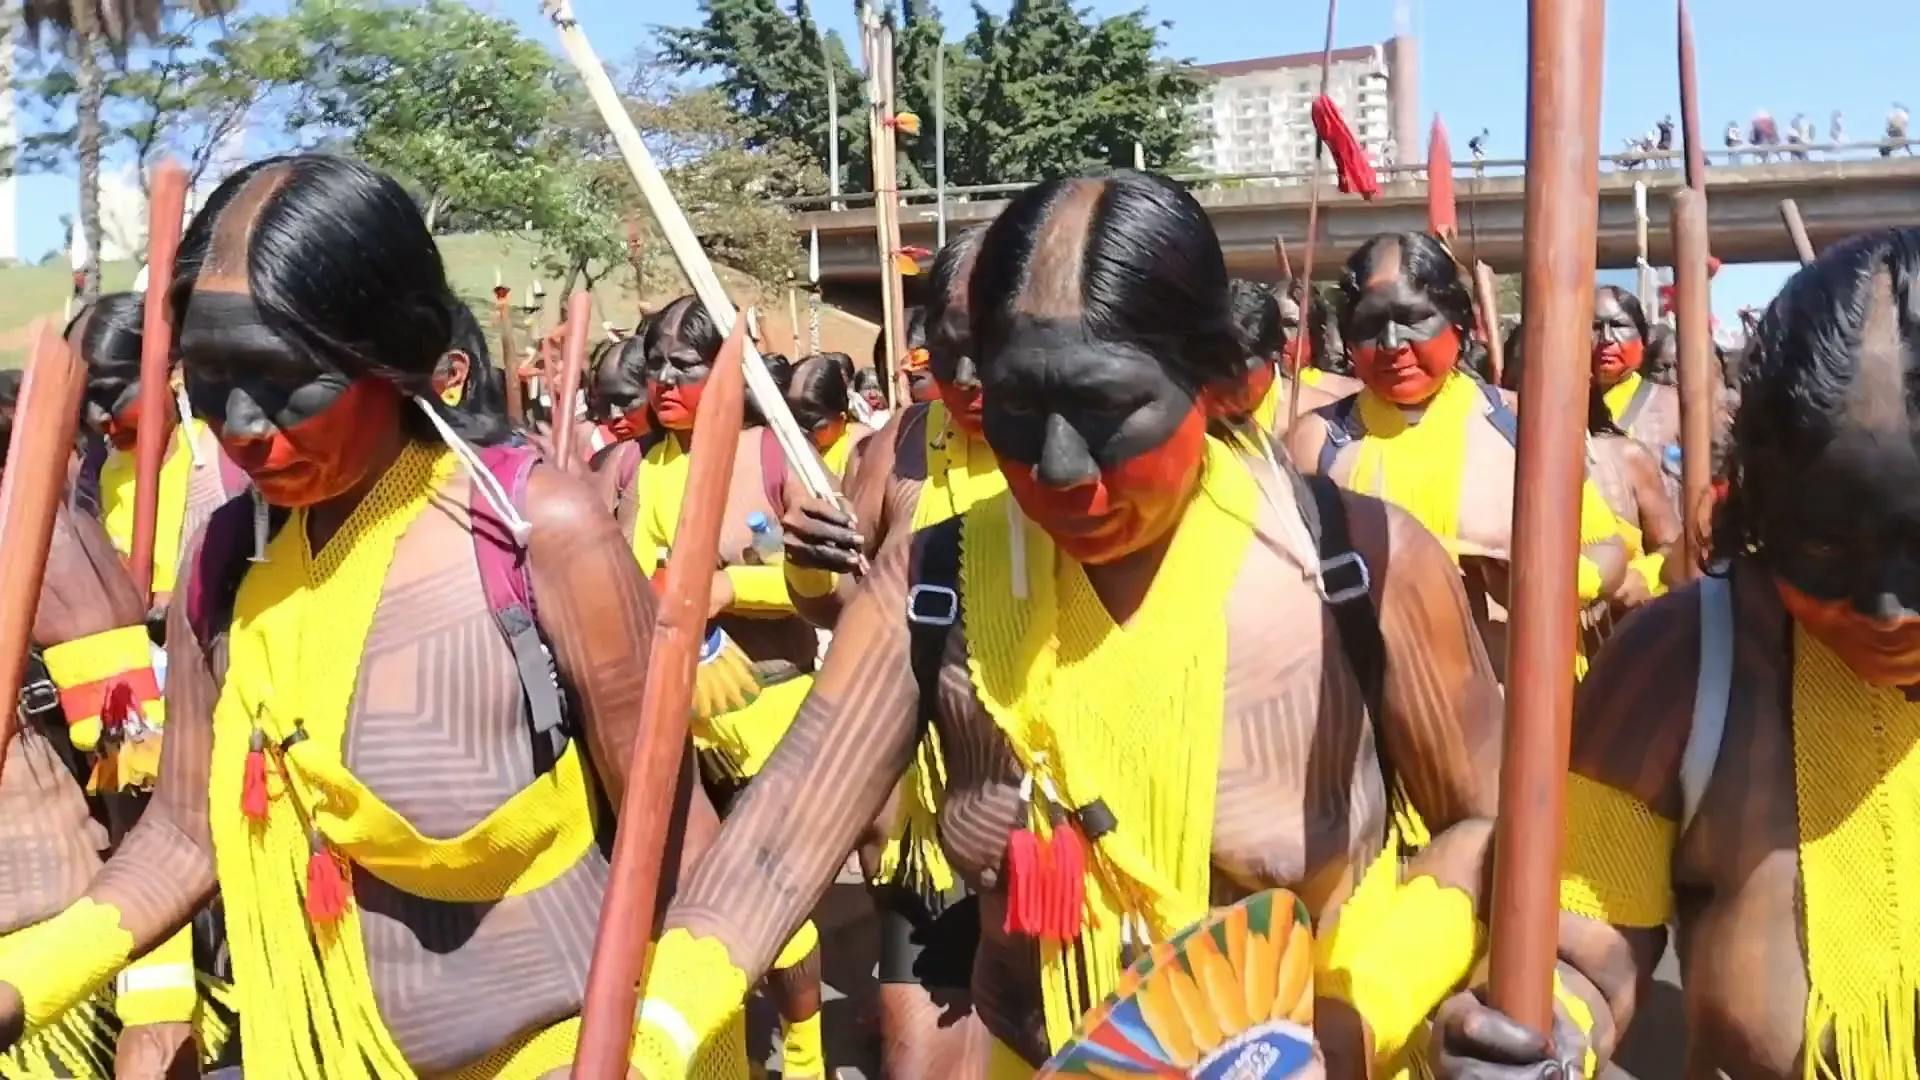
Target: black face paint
x,y
242,377
618,388
1845,524
112,392
1117,399
1392,313
1611,323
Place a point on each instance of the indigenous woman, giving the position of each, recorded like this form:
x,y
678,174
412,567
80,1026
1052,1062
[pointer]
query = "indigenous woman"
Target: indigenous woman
x,y
1110,655
1629,477
751,608
1274,341
617,404
1421,427
1644,409
195,476
402,830
1743,756
819,397
55,833
465,377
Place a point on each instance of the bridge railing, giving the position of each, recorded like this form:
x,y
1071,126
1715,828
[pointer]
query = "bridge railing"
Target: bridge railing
x,y
1628,161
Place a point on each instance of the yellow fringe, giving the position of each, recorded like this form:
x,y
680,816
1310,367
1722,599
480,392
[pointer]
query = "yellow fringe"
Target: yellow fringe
x,y
961,471
1619,396
1127,715
80,1044
694,979
1418,466
1856,764
59,963
733,746
117,481
1617,864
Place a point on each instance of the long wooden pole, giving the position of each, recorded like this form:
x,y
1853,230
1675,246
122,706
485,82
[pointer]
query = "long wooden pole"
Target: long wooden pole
x,y
1487,293
1797,230
627,913
801,457
1304,287
566,385
45,416
166,204
1696,150
1693,331
510,363
1563,170
1644,284
890,162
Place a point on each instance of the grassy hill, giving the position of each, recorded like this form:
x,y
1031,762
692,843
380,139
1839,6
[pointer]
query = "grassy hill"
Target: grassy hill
x,y
29,292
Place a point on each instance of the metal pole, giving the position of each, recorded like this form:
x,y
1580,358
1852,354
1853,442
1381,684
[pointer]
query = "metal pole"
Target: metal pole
x,y
1563,179
940,141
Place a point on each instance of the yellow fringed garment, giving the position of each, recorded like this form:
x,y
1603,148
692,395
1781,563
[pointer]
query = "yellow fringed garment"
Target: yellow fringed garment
x,y
837,455
662,483
1856,767
299,629
1619,396
1616,864
1129,715
117,481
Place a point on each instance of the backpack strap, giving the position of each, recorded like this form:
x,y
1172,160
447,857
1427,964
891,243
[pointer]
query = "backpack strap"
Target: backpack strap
x,y
1501,415
507,580
773,471
1345,585
1641,395
1711,691
1343,427
933,607
86,483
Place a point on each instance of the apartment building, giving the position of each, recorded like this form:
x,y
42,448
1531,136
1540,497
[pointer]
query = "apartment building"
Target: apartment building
x,y
1254,115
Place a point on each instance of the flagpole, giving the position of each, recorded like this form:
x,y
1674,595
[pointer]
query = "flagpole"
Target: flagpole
x,y
1304,298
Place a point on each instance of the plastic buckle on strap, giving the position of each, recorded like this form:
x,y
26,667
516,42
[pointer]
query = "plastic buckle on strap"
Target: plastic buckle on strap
x,y
944,610
39,698
1344,578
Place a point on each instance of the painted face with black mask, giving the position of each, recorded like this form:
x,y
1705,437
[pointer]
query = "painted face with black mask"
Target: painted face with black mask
x,y
617,393
680,346
108,337
1618,346
950,335
1403,344
1296,348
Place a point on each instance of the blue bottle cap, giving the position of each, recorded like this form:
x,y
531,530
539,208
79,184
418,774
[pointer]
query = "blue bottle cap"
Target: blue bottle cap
x,y
758,522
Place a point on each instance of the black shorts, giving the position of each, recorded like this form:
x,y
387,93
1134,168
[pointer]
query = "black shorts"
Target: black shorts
x,y
924,947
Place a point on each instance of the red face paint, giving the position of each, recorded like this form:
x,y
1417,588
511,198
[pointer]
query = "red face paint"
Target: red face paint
x,y
1615,360
1296,353
1236,400
1127,508
828,433
1411,373
963,404
122,429
324,456
629,425
675,406
1883,652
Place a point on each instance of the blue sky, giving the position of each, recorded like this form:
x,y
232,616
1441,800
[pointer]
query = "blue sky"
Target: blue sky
x,y
1854,55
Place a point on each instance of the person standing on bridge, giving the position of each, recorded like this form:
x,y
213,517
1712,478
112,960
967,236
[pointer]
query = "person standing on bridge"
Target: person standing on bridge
x,y
1836,130
1766,134
1896,131
1736,138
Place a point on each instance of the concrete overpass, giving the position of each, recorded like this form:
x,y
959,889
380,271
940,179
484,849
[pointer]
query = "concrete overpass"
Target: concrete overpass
x,y
1837,198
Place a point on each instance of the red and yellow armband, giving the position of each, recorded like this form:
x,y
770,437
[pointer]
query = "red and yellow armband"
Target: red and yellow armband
x,y
113,703
160,987
689,1022
808,583
62,962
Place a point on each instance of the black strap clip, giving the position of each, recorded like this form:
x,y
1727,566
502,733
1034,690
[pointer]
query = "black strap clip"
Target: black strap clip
x,y
933,605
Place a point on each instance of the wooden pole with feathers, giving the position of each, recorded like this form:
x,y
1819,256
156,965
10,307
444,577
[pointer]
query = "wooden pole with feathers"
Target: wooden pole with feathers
x,y
166,205
1563,170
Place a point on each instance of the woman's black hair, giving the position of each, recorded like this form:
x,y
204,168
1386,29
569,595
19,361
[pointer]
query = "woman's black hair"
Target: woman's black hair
x,y
1151,275
486,392
845,364
340,264
819,391
1798,373
1512,362
1427,266
1256,317
1600,419
690,320
114,332
865,379
9,401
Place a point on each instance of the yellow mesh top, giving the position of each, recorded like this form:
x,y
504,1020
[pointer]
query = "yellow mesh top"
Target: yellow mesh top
x,y
1616,864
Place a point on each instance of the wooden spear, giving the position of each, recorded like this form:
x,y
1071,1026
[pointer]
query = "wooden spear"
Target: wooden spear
x,y
1563,170
1280,255
802,458
659,748
1693,332
1797,230
1487,294
1696,151
165,206
566,384
44,419
509,354
1304,286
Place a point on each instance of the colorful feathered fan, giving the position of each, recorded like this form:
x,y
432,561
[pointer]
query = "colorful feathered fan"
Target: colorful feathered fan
x,y
1230,998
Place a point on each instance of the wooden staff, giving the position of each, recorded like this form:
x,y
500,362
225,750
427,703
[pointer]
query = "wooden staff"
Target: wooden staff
x,y
165,207
1797,230
1693,332
1305,284
1280,255
44,419
1563,170
659,749
888,166
793,320
801,456
1487,293
516,390
1696,151
1644,284
566,384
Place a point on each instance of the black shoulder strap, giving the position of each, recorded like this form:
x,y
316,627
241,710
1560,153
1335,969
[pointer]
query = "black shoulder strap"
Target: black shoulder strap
x,y
933,607
1641,395
1500,415
1346,585
1343,427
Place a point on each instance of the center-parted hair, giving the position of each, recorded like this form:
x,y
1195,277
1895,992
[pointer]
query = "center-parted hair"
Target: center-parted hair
x,y
819,391
1630,304
1838,346
1256,315
685,320
1425,264
1128,258
114,330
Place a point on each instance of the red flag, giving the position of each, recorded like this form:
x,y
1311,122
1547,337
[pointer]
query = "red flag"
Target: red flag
x,y
1349,157
1443,219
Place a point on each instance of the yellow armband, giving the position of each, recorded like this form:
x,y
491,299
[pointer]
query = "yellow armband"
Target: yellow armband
x,y
160,987
112,670
1576,1009
689,1010
1617,866
67,959
1394,959
1588,580
809,583
1650,567
759,590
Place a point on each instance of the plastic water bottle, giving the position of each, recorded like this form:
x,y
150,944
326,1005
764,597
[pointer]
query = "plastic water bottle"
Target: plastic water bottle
x,y
767,543
1670,460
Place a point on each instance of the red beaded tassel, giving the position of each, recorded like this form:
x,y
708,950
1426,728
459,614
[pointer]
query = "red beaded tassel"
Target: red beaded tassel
x,y
1069,902
326,885
253,789
1027,860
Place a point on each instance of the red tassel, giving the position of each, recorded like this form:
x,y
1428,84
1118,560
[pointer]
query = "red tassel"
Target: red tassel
x,y
1349,157
116,707
253,789
326,885
1070,880
1025,874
